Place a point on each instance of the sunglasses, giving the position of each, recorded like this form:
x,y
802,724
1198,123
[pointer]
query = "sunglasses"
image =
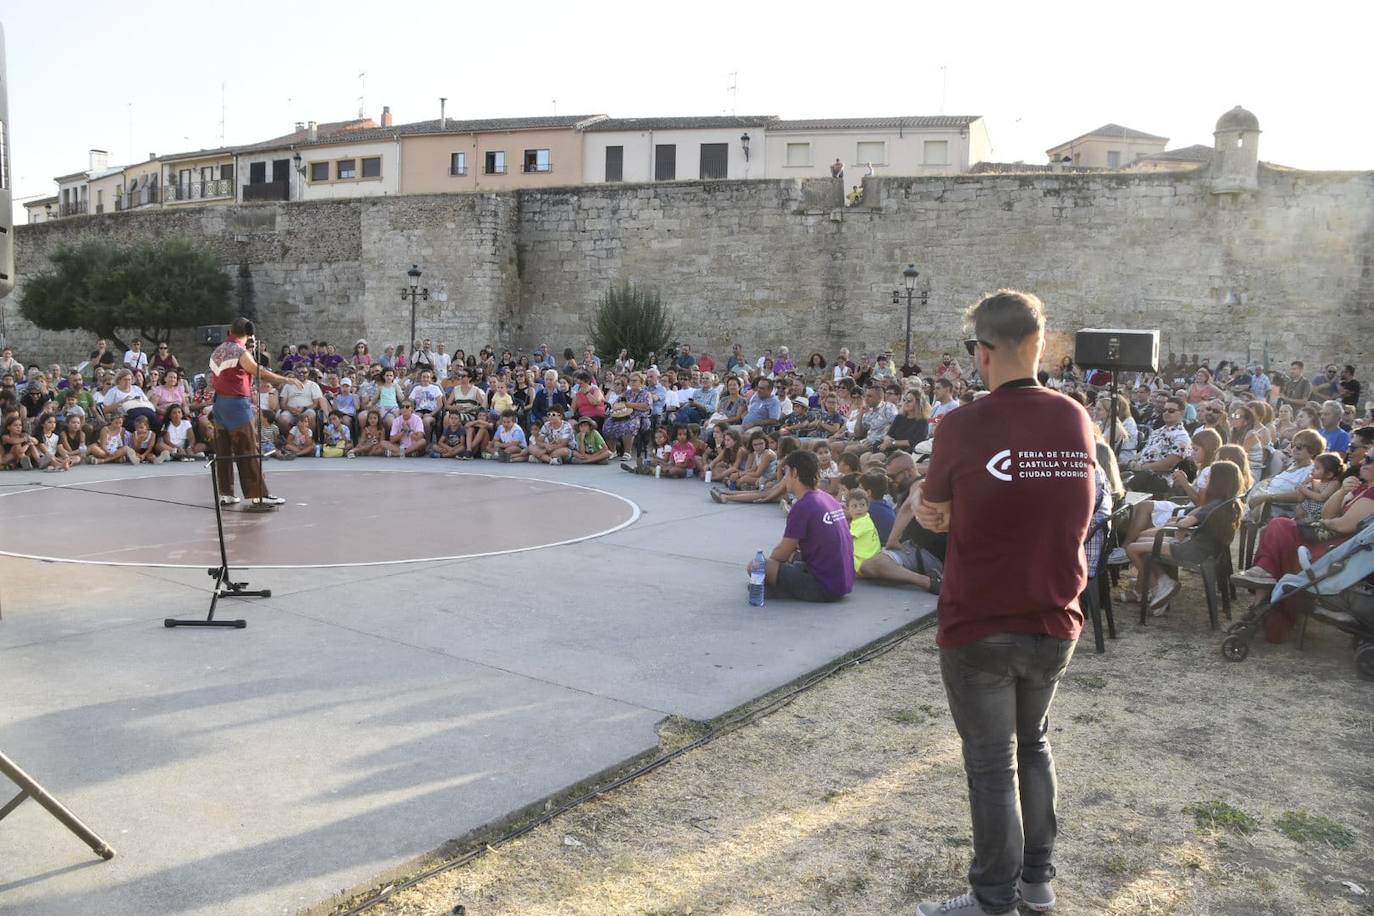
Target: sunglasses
x,y
971,343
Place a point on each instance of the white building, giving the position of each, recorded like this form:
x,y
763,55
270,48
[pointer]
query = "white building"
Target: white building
x,y
674,149
937,145
41,210
270,171
73,191
351,166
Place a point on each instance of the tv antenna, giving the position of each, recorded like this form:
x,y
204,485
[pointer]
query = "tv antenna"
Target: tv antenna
x,y
733,89
221,114
362,93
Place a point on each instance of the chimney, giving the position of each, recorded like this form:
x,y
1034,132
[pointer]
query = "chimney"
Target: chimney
x,y
311,133
386,115
100,160
300,126
152,156
443,118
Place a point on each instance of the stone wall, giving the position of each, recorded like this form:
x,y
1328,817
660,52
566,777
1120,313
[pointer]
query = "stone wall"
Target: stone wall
x,y
1285,271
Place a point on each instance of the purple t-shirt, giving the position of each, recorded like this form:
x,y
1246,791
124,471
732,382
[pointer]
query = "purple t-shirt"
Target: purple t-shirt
x,y
817,521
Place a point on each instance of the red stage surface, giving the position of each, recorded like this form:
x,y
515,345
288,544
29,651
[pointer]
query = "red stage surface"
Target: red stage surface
x,y
331,518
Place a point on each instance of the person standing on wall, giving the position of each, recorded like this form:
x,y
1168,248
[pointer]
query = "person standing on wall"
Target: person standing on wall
x,y
1012,482
232,369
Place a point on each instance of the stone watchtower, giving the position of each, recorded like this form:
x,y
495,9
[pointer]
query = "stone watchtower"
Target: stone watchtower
x,y
1235,163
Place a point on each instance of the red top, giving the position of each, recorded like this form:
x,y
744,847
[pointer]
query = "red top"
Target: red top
x,y
1018,466
226,376
583,407
706,363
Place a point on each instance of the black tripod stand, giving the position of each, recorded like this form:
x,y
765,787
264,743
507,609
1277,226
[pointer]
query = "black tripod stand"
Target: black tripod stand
x,y
29,788
224,587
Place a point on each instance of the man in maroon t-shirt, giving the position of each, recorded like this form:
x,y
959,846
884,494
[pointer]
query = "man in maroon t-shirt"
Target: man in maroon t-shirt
x,y
1012,482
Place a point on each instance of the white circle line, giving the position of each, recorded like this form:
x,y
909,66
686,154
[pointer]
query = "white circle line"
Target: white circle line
x,y
634,517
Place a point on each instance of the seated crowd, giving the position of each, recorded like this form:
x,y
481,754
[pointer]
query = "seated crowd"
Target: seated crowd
x,y
1207,445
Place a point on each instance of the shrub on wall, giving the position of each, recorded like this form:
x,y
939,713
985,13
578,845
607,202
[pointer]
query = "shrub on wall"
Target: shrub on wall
x,y
632,318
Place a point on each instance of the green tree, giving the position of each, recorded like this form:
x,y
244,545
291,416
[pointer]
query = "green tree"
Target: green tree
x,y
630,317
101,287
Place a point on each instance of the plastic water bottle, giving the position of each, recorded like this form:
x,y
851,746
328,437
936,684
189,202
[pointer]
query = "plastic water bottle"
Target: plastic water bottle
x,y
757,570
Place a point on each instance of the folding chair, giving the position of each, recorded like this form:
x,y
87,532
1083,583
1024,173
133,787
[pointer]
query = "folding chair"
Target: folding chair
x,y
1215,571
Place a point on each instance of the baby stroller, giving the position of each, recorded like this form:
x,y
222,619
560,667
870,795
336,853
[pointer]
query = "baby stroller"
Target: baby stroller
x,y
1344,599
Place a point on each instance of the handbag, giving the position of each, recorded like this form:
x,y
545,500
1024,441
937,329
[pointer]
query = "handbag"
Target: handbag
x,y
1315,533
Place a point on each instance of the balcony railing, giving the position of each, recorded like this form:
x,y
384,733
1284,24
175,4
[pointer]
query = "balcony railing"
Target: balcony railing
x,y
143,197
201,190
267,191
75,208
532,167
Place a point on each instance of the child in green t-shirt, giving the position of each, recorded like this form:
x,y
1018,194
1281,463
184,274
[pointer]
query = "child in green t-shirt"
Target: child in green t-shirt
x,y
862,531
590,447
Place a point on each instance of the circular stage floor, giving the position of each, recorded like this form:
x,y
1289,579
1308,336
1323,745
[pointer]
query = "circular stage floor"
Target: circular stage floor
x,y
331,518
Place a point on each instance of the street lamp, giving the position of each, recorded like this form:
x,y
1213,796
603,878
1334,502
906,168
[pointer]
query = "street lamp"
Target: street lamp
x,y
413,292
909,281
744,142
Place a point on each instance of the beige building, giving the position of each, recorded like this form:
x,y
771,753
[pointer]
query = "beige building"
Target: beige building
x,y
199,178
1111,146
105,189
492,154
912,145
1186,159
142,185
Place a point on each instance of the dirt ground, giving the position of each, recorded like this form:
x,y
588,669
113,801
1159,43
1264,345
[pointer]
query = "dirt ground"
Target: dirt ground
x,y
852,798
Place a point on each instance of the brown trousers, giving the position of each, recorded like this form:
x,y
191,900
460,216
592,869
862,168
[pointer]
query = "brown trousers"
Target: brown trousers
x,y
242,442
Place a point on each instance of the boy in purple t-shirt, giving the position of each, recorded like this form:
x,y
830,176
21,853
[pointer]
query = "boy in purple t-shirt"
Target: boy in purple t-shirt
x,y
818,529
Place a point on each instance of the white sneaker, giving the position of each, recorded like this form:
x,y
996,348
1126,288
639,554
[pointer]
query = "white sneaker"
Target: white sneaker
x,y
268,501
1162,593
1118,557
228,500
556,461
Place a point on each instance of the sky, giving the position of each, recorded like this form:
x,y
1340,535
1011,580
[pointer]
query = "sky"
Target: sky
x,y
150,77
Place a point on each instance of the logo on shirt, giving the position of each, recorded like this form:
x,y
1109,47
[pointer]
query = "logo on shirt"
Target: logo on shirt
x,y
1011,465
1000,464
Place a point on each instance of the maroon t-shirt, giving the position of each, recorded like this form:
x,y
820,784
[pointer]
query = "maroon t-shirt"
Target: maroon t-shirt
x,y
1018,466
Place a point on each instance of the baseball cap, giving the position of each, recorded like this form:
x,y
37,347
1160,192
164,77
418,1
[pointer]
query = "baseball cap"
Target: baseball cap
x,y
347,381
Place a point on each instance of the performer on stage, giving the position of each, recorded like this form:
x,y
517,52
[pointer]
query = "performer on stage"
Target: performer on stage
x,y
232,370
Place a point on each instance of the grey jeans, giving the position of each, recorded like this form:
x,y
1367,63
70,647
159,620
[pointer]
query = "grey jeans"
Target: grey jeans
x,y
1000,689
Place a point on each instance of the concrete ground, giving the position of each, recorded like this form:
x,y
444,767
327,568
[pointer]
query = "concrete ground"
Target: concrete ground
x,y
368,715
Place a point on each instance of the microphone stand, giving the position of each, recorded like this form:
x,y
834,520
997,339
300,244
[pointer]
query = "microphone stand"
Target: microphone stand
x,y
224,586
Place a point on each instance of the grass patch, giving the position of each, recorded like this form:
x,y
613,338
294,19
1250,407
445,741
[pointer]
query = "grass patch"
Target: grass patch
x,y
1301,827
1218,815
832,795
1090,681
914,715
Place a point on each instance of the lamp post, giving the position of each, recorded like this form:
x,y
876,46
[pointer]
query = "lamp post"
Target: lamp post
x,y
413,292
909,281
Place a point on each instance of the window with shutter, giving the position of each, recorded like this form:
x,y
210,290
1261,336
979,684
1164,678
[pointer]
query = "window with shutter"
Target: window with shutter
x,y
615,163
715,160
665,162
798,155
871,152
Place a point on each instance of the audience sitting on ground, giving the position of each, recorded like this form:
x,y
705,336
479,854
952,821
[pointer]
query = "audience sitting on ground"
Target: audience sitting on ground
x,y
867,425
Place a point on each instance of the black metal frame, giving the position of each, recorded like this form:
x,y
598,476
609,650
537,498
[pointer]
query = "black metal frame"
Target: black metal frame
x,y
224,586
29,788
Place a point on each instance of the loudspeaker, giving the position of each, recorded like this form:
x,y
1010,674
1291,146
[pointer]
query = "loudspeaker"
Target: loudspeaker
x,y
212,335
1128,351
